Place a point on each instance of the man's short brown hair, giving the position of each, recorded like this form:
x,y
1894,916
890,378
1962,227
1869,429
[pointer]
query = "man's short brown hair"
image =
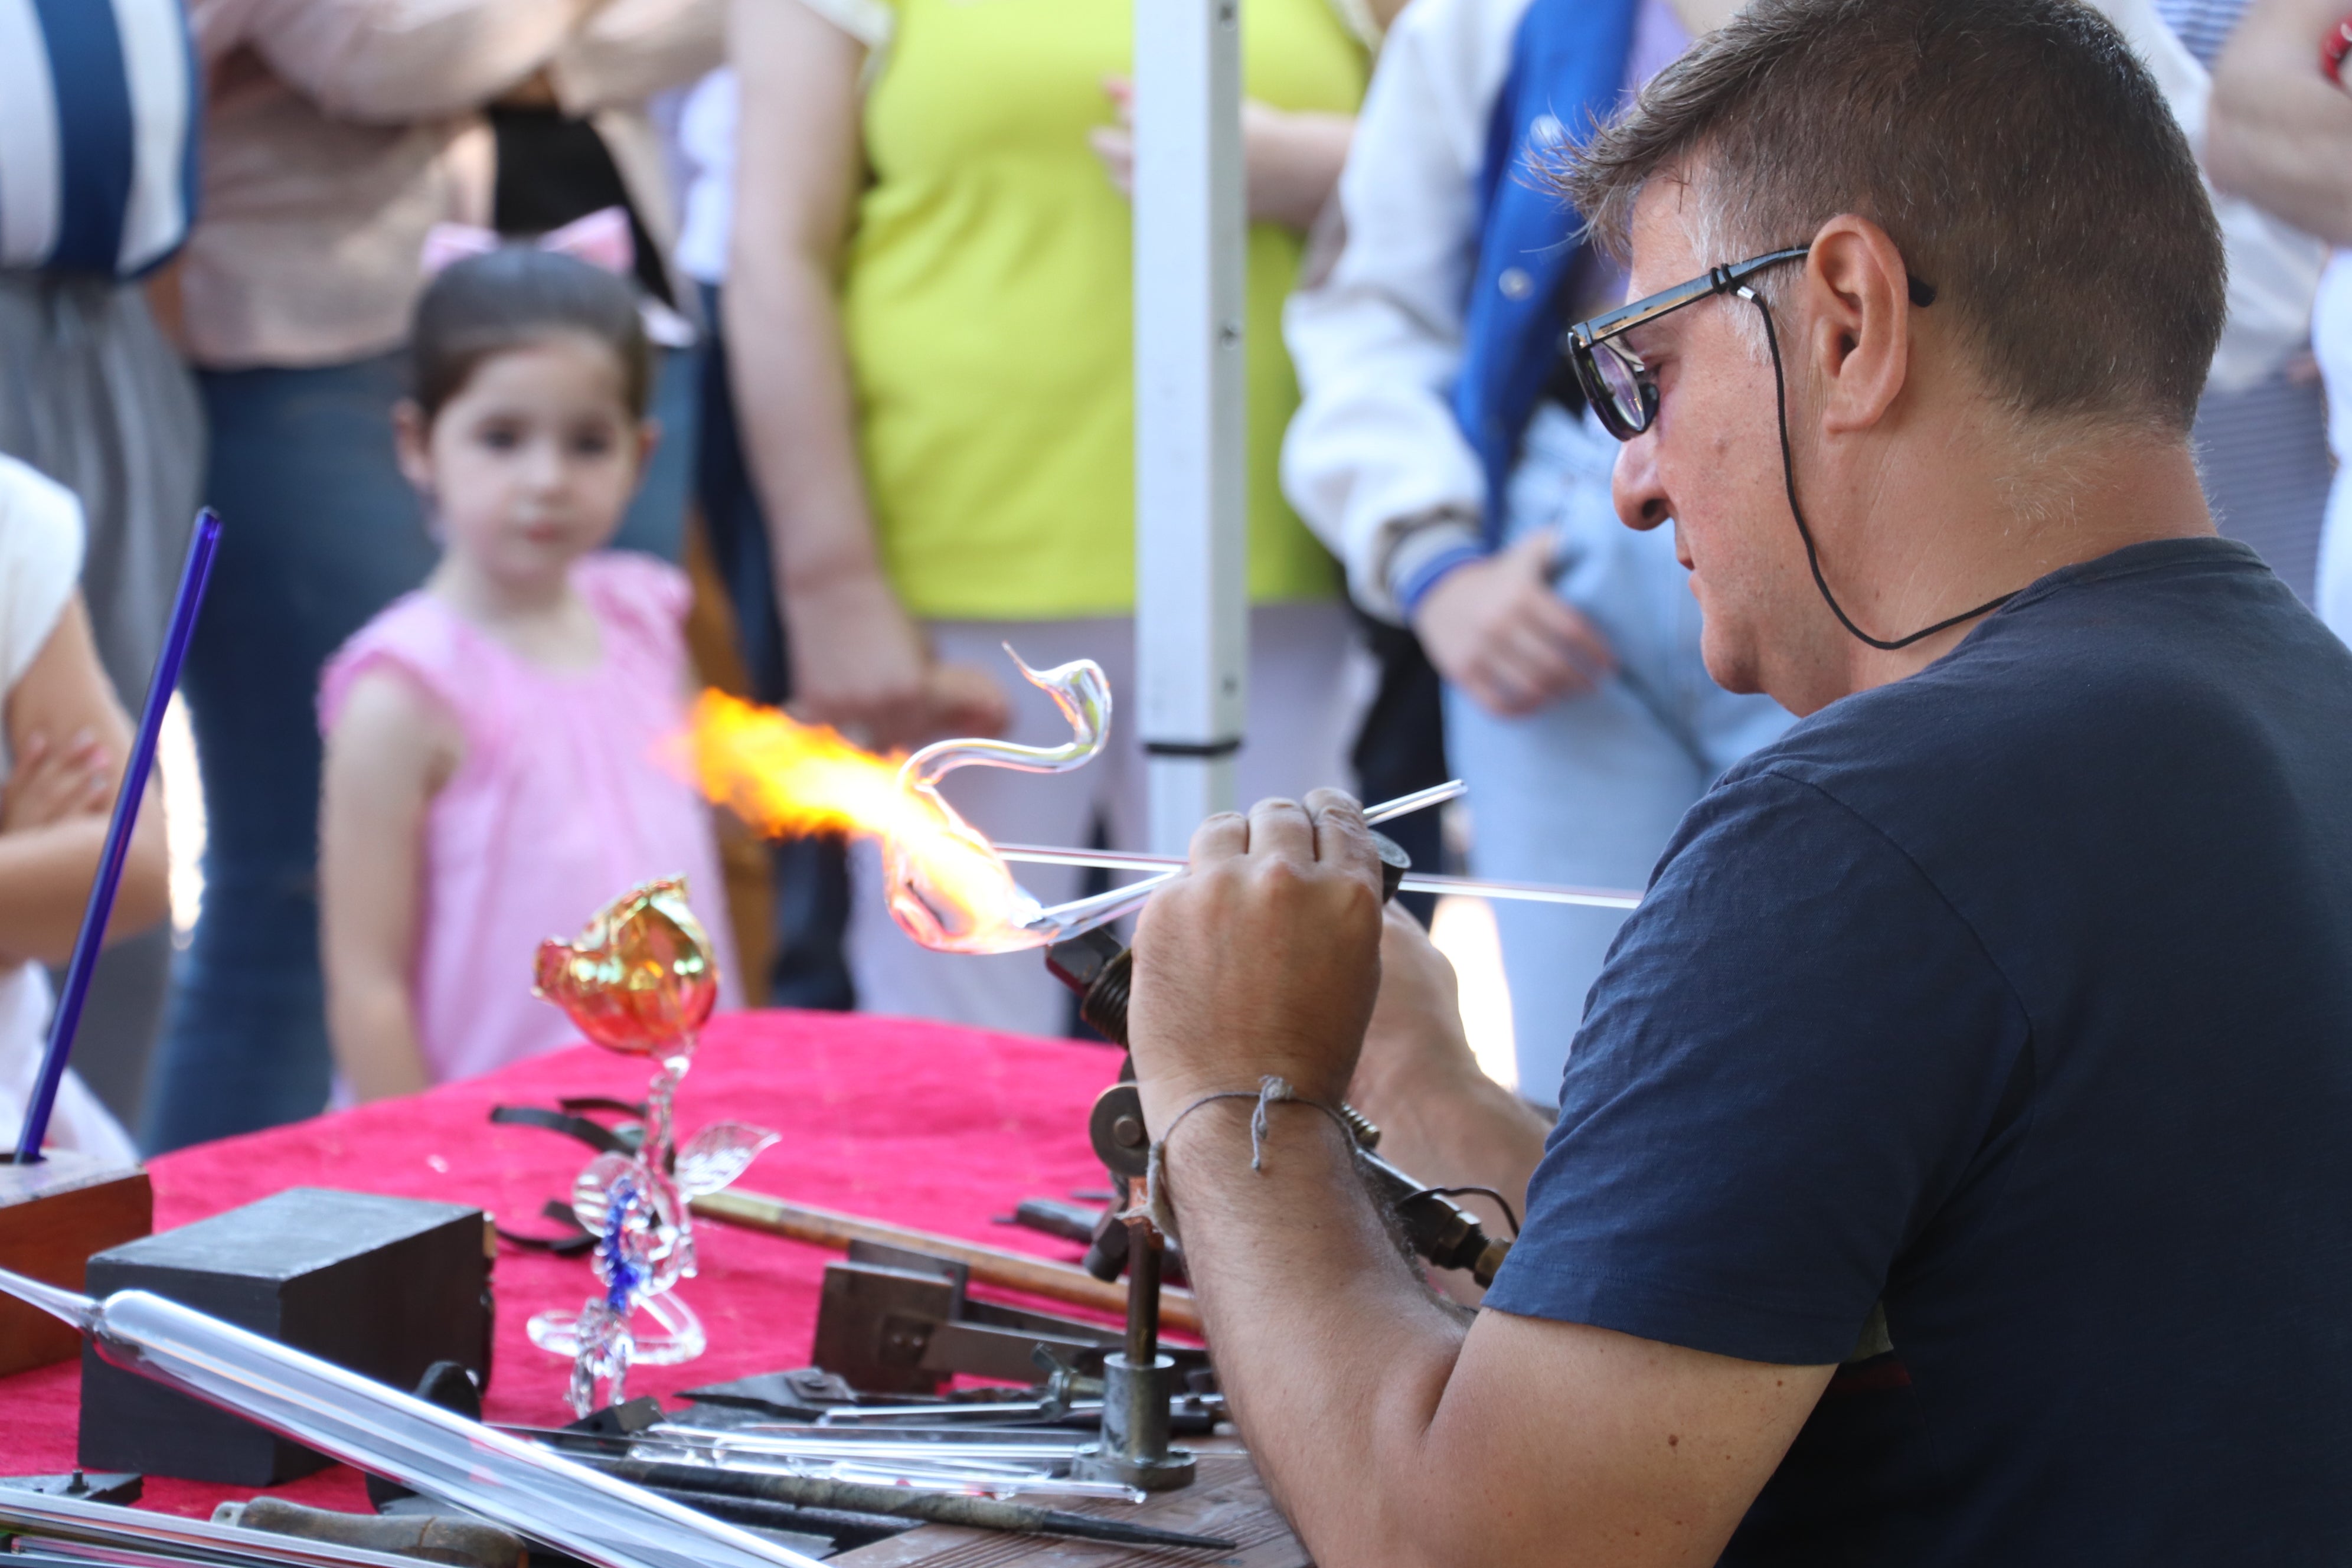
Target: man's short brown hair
x,y
2016,152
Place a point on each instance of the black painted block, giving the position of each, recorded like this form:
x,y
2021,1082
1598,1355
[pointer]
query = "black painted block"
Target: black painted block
x,y
383,1286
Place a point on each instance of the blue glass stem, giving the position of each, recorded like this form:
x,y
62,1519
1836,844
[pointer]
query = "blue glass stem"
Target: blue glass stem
x,y
195,573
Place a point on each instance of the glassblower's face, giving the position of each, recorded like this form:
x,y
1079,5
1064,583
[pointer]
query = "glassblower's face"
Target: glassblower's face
x,y
1710,461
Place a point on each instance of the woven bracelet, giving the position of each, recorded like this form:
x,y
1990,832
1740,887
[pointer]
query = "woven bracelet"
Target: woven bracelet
x,y
1269,1089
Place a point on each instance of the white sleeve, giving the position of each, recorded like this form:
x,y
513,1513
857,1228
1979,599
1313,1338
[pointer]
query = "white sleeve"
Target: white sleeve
x,y
2274,266
1374,446
40,563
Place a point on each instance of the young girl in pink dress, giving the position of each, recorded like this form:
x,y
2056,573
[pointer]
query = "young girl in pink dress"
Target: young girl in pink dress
x,y
494,740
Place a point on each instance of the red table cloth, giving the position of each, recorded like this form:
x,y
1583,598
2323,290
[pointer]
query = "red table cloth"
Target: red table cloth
x,y
940,1127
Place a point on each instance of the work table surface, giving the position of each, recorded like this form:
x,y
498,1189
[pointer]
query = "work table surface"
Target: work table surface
x,y
925,1125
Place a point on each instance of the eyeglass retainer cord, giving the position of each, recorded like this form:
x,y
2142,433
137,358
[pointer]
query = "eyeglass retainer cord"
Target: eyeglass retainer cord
x,y
1813,553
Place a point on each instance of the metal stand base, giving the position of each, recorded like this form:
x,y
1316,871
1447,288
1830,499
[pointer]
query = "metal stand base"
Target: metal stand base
x,y
1145,1475
1134,1449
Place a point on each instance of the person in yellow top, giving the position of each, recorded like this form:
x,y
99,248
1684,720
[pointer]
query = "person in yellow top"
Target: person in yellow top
x,y
929,313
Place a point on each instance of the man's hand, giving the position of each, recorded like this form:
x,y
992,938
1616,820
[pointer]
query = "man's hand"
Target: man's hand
x,y
1441,1117
1495,629
1414,1046
1262,958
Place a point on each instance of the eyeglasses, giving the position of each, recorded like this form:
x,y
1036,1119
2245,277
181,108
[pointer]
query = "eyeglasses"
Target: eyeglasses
x,y
1617,385
1624,395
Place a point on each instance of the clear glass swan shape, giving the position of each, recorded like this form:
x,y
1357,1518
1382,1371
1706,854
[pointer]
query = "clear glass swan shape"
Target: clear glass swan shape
x,y
966,900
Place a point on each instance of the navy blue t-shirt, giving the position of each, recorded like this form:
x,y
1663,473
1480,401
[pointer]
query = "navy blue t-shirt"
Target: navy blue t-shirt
x,y
2015,998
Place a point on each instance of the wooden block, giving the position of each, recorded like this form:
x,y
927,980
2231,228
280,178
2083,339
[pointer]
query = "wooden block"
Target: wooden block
x,y
382,1286
53,1216
1227,1500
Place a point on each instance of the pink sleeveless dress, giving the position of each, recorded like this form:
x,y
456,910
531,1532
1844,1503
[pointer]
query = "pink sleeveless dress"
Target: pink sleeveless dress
x,y
562,801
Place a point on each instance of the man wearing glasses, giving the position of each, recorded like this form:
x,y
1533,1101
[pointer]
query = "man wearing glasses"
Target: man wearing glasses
x,y
1951,1168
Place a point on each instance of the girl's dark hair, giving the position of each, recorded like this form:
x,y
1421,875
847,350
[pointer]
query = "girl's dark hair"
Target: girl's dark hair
x,y
489,304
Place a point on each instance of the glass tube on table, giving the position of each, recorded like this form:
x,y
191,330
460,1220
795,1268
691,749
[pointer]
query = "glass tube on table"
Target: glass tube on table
x,y
379,1429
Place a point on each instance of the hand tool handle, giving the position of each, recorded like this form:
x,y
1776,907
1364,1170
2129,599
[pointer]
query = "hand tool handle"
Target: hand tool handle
x,y
452,1539
990,1264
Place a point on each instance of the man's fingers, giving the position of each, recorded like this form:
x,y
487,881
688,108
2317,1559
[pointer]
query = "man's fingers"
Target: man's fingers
x,y
1343,838
1281,827
1220,837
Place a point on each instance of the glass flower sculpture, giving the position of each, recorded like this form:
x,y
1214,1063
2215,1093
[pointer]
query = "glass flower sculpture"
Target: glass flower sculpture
x,y
640,979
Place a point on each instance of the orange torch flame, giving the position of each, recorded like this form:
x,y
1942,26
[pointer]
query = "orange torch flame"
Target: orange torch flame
x,y
947,885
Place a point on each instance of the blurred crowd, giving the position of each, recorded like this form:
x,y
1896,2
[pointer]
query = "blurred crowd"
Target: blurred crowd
x,y
547,359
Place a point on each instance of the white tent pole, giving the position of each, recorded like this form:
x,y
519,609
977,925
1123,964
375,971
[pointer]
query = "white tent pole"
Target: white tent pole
x,y
1192,621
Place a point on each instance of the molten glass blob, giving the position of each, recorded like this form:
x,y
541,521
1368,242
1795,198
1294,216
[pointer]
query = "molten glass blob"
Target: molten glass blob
x,y
948,886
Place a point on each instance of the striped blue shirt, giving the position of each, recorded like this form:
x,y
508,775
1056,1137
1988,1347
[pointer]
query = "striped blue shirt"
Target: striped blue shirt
x,y
2203,24
100,101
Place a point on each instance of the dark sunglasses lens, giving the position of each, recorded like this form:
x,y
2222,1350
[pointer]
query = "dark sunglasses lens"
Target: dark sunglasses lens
x,y
1621,378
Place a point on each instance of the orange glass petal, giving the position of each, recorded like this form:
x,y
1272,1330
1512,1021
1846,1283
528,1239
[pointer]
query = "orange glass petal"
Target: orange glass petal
x,y
640,976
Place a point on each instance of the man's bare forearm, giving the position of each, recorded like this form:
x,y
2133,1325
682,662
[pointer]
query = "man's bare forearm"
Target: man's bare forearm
x,y
1467,1131
1441,1118
1336,1351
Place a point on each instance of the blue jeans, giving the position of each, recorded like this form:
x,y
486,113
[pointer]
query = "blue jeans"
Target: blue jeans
x,y
320,532
655,522
1588,790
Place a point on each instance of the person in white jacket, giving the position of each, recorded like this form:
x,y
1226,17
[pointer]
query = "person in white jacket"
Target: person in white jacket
x,y
1577,705
1578,708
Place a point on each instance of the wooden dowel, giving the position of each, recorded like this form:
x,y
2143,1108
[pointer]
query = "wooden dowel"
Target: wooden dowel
x,y
995,1266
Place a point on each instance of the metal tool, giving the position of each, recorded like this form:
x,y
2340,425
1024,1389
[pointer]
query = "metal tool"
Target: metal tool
x,y
457,1539
990,1264
73,1529
1138,1383
955,1477
896,1320
1101,970
1022,1444
934,1508
87,1486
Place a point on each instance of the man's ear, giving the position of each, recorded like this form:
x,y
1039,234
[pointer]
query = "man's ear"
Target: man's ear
x,y
411,438
1859,336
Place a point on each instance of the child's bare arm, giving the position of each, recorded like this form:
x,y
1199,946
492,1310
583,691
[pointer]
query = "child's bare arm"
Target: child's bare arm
x,y
64,721
391,749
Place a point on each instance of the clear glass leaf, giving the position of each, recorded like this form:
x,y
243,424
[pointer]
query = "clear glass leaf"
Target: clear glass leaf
x,y
718,1155
592,1188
